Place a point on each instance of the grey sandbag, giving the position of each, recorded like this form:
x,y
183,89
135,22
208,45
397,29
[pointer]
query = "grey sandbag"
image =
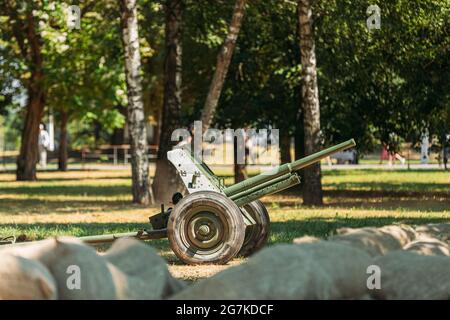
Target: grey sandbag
x,y
440,231
408,275
428,247
319,270
129,270
375,241
305,239
23,279
147,272
81,274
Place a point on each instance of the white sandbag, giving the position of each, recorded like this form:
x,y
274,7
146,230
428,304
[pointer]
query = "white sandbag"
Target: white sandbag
x,y
142,262
23,279
408,275
319,270
129,270
305,239
440,231
375,241
79,271
428,247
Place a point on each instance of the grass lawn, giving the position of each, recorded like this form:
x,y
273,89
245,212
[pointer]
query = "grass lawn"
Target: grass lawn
x,y
94,202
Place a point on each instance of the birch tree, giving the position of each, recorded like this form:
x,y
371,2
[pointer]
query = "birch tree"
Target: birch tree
x,y
312,189
136,117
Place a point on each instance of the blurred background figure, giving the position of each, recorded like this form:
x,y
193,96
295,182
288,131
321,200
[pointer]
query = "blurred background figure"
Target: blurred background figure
x,y
43,143
424,148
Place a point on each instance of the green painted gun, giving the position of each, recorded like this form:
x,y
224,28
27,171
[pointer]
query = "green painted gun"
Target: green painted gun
x,y
214,223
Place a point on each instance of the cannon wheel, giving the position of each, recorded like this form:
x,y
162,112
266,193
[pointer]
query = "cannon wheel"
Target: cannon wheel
x,y
206,227
256,235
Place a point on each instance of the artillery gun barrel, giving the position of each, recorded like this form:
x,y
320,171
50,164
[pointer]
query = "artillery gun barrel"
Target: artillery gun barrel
x,y
260,186
291,181
286,168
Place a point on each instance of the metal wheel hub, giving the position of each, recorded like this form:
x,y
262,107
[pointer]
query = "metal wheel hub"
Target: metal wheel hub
x,y
205,230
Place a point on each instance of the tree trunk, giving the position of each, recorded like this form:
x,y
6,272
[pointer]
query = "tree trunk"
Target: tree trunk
x,y
312,191
26,162
28,156
118,135
300,147
62,157
240,172
285,147
222,64
136,117
167,181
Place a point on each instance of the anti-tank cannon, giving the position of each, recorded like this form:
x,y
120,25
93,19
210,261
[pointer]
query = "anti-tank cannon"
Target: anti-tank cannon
x,y
214,223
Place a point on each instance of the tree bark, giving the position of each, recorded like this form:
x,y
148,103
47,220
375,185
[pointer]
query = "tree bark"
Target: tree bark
x,y
222,64
28,156
136,116
167,181
62,156
285,147
240,172
312,191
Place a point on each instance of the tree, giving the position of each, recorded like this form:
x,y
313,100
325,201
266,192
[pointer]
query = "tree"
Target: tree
x,y
24,28
136,118
167,181
62,150
312,190
223,61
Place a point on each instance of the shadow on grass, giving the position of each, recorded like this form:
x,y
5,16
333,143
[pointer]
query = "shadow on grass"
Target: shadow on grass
x,y
343,172
33,205
68,179
39,231
285,232
124,177
391,187
416,204
38,190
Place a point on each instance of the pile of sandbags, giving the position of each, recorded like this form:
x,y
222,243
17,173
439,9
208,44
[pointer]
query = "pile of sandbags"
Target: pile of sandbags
x,y
317,270
66,268
428,246
439,231
407,263
376,241
409,266
408,275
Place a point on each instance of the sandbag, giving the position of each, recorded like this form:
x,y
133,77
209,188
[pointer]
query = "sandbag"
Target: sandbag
x,y
375,241
23,279
128,270
428,247
142,263
440,231
305,239
318,270
67,258
408,275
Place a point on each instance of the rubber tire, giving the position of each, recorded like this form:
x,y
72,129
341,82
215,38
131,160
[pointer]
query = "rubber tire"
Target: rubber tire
x,y
230,213
258,237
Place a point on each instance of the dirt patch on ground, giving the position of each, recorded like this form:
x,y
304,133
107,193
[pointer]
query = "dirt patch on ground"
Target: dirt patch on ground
x,y
195,273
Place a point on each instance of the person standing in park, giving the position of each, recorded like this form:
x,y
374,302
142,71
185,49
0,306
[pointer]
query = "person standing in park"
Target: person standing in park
x,y
43,143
